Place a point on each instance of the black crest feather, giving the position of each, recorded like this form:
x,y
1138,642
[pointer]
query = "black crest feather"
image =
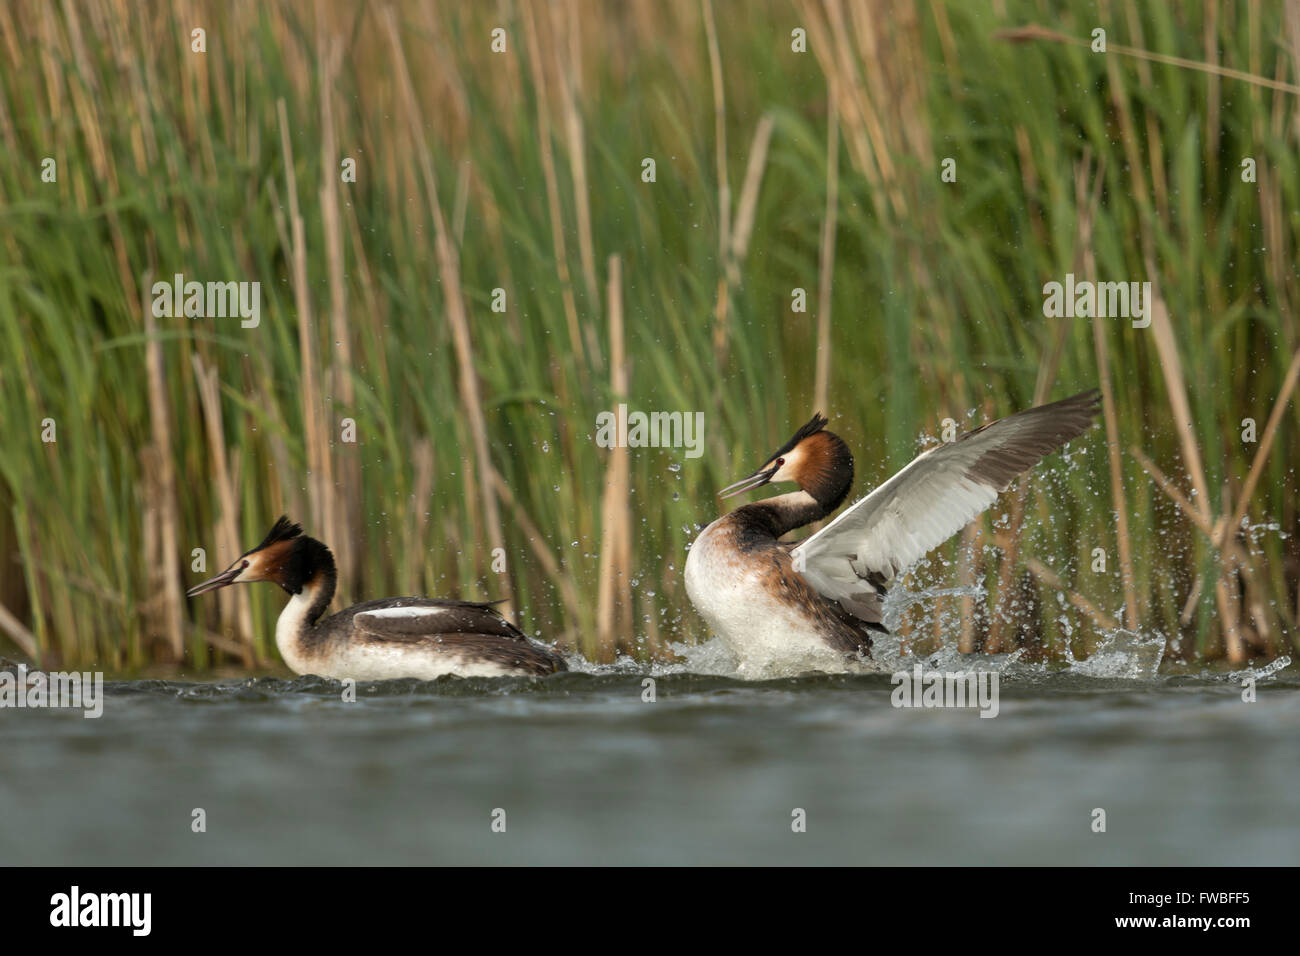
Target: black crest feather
x,y
283,530
815,424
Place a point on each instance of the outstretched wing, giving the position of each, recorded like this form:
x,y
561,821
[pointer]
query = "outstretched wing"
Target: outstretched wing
x,y
941,490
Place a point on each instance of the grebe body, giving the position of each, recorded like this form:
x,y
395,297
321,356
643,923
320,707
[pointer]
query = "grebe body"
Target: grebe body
x,y
378,640
812,605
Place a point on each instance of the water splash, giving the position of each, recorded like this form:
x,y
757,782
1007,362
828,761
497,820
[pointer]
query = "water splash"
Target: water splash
x,y
712,658
1266,672
899,599
1122,653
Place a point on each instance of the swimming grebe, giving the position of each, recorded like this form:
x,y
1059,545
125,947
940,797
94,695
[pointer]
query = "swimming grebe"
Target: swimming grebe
x,y
812,605
377,640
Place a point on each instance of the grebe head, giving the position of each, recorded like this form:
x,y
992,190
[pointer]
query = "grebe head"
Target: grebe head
x,y
286,557
816,460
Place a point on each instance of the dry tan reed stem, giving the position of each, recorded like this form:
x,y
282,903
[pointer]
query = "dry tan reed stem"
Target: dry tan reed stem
x,y
460,204
457,318
421,492
1224,534
1228,599
320,465
164,503
1033,31
234,648
747,207
1231,555
232,602
1213,92
721,309
17,62
347,492
614,597
1193,598
550,566
152,554
1175,385
552,186
1128,135
565,69
1169,488
1265,446
1109,415
855,91
24,638
1050,578
819,40
826,272
1118,496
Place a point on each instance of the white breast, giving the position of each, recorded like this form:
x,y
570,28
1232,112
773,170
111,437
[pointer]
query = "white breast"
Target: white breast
x,y
770,637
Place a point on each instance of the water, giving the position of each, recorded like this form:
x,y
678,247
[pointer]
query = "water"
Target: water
x,y
709,773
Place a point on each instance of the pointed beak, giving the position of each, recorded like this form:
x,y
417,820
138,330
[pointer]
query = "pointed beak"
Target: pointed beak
x,y
220,581
745,484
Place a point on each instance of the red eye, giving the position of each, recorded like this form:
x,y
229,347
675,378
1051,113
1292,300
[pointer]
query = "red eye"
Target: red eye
x,y
780,462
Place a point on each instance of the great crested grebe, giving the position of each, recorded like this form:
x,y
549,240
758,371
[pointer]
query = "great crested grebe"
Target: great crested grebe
x,y
812,605
377,640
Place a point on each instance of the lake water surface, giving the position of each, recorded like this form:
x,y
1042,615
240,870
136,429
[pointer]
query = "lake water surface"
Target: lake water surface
x,y
711,772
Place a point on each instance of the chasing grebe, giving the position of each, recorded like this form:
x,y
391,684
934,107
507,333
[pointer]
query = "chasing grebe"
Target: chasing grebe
x,y
377,640
812,605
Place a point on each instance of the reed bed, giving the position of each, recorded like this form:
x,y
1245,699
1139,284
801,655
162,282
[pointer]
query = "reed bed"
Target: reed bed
x,y
514,180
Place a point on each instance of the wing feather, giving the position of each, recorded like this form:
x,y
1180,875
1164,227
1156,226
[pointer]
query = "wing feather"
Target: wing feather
x,y
410,619
932,498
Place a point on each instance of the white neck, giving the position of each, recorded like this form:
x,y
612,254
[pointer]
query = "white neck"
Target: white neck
x,y
289,630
